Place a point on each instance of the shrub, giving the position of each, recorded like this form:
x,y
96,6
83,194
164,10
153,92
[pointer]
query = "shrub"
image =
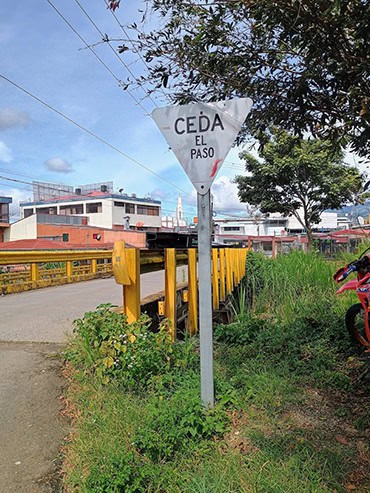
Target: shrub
x,y
131,353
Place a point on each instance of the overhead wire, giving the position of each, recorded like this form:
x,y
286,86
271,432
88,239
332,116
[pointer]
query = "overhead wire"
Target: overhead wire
x,y
119,82
100,139
97,137
130,41
106,40
96,55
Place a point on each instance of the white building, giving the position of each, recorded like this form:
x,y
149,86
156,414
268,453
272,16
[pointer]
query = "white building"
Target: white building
x,y
101,208
328,222
269,225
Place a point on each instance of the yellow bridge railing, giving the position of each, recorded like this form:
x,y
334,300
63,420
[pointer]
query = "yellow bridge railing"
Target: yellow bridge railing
x,y
21,271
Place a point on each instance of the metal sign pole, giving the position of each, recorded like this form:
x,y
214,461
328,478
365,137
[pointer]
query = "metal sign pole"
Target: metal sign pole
x,y
205,300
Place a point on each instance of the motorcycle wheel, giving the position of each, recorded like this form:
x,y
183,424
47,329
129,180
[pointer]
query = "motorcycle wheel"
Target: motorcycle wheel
x,y
355,323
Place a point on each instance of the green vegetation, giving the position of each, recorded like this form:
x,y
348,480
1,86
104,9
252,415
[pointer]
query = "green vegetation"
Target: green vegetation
x,y
289,416
304,64
299,177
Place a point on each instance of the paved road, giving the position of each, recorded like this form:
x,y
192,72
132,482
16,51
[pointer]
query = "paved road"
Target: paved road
x,y
46,315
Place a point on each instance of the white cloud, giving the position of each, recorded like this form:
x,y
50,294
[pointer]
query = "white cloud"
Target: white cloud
x,y
5,153
10,117
18,195
225,196
59,165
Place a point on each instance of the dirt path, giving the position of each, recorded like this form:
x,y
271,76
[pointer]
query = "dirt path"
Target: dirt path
x,y
33,328
31,427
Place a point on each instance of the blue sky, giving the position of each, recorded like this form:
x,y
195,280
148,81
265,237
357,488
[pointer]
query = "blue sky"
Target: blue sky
x,y
42,54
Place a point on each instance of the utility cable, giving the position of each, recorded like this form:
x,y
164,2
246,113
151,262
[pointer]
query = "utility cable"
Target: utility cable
x,y
96,55
131,42
100,139
106,40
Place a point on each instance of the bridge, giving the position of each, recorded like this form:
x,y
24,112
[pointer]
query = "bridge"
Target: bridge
x,y
78,281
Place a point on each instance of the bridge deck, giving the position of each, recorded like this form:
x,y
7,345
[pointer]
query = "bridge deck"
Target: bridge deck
x,y
46,315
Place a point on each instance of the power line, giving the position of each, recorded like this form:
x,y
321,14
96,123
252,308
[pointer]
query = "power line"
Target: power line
x,y
106,40
100,139
131,42
96,55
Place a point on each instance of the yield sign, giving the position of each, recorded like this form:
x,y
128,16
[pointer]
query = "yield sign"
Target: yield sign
x,y
201,135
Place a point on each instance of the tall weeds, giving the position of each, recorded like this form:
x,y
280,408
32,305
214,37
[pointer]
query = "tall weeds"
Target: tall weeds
x,y
293,317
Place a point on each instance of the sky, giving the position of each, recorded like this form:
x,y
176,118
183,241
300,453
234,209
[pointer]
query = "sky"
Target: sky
x,y
41,53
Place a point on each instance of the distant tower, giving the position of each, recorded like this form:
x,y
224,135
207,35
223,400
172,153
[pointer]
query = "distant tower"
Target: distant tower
x,y
179,221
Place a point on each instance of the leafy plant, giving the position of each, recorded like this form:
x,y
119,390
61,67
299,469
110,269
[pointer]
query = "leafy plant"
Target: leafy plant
x,y
177,424
131,353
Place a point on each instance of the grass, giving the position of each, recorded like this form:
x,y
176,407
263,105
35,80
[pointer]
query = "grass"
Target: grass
x,y
289,415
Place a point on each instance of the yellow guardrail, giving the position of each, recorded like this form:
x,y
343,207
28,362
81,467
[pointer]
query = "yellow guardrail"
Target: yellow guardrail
x,y
21,271
25,270
228,269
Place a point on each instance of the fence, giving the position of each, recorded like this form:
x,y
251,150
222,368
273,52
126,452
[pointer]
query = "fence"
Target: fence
x,y
20,271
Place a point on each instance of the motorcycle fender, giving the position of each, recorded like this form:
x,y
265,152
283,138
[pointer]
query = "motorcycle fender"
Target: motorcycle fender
x,y
349,286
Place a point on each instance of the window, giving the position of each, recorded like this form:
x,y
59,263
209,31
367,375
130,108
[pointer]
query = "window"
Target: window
x,y
68,210
93,208
4,213
231,228
148,210
119,204
46,210
65,237
130,208
28,212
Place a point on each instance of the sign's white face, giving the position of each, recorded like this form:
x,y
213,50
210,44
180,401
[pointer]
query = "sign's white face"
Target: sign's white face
x,y
201,135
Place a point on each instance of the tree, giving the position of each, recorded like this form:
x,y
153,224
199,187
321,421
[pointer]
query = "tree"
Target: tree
x,y
298,177
305,63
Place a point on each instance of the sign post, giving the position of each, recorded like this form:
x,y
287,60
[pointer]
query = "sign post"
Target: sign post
x,y
205,299
201,135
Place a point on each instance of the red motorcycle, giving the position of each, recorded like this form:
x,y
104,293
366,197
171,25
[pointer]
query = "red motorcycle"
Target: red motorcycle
x,y
358,315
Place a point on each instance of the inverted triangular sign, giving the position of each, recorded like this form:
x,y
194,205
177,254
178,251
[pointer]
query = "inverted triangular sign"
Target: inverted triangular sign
x,y
201,135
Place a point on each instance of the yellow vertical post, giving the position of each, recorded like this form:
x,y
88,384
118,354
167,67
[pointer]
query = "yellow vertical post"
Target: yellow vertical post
x,y
222,274
239,265
69,267
94,266
228,271
193,292
242,263
34,271
215,288
236,267
131,292
232,268
170,288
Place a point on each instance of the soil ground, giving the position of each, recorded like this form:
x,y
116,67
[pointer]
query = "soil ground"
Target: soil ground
x,y
31,426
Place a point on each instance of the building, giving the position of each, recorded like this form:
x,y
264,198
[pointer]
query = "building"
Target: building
x,y
4,215
229,230
98,205
68,232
